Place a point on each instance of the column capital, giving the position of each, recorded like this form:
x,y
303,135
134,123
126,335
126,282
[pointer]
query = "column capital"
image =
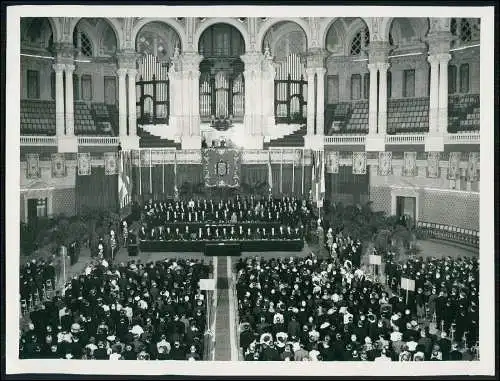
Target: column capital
x,y
443,58
69,68
127,59
378,51
190,61
121,72
59,67
433,59
315,57
132,72
383,66
65,52
321,71
310,71
372,67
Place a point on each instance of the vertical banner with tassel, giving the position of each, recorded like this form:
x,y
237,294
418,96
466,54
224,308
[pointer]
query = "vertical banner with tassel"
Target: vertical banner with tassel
x,y
359,163
410,164
384,163
433,164
33,170
322,179
58,165
333,162
110,165
84,164
454,166
472,167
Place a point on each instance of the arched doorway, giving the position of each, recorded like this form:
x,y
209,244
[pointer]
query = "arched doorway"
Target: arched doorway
x,y
287,42
157,43
222,85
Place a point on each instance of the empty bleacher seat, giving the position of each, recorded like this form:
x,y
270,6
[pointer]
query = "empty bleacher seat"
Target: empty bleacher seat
x,y
38,117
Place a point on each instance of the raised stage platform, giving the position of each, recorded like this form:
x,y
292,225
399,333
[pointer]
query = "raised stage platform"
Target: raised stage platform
x,y
200,245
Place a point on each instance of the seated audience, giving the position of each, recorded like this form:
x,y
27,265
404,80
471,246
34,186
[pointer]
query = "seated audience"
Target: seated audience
x,y
133,311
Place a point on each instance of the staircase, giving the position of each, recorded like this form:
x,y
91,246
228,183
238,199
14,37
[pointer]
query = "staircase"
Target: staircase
x,y
149,140
295,139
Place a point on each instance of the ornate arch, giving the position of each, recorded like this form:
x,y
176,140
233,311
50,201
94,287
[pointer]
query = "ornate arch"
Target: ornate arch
x,y
174,24
114,23
221,20
264,28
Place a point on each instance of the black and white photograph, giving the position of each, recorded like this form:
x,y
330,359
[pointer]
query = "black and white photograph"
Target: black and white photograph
x,y
194,191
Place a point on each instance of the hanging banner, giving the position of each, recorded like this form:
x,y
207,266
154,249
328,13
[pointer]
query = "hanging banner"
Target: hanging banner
x,y
433,164
84,164
410,164
124,182
384,163
472,174
454,166
221,167
332,162
33,170
58,164
359,163
110,164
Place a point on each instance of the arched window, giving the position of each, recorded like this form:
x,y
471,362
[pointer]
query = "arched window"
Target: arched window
x,y
465,31
361,40
452,79
84,45
464,78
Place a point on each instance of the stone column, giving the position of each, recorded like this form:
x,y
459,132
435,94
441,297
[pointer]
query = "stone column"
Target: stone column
x,y
443,93
190,120
267,99
320,105
253,93
59,68
433,96
70,114
372,101
122,101
132,108
382,98
311,107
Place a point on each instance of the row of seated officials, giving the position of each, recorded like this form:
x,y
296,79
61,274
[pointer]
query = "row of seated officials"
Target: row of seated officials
x,y
216,233
287,210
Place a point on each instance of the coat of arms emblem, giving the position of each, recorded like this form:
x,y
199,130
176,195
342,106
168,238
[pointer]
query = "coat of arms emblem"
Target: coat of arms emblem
x,y
222,168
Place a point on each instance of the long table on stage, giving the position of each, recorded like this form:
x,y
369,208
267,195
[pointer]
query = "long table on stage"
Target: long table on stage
x,y
200,245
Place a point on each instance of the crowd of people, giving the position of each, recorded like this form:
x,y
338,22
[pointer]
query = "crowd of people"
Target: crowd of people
x,y
179,220
123,311
324,309
35,277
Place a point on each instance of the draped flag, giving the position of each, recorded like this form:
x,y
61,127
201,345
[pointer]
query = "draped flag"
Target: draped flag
x,y
314,195
473,167
269,173
221,167
454,166
322,179
410,164
33,170
124,183
433,164
359,163
176,190
333,162
384,163
84,164
58,164
110,165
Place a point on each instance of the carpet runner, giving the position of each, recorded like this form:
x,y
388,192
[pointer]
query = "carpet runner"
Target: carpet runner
x,y
222,322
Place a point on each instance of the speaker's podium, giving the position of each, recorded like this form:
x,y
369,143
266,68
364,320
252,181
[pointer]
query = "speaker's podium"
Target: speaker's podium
x,y
133,246
223,249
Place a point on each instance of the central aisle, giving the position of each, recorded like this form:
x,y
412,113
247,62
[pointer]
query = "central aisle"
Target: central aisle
x,y
223,329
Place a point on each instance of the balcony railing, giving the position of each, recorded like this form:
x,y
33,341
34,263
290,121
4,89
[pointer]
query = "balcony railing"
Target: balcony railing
x,y
405,139
98,140
463,236
463,138
345,139
38,140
